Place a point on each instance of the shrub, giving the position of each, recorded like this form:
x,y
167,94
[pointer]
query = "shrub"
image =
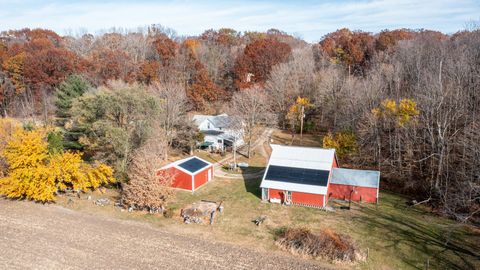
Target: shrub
x,y
36,174
168,213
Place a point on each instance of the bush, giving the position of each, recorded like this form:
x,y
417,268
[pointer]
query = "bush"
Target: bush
x,y
329,244
35,174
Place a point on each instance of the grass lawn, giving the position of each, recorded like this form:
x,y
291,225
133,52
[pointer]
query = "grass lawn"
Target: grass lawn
x,y
256,163
396,237
208,156
284,137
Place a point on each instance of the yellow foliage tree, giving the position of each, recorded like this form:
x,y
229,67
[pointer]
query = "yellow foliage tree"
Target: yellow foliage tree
x,y
35,174
402,113
344,143
297,110
8,127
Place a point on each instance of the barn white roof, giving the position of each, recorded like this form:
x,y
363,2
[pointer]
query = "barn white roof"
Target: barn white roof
x,y
308,158
302,157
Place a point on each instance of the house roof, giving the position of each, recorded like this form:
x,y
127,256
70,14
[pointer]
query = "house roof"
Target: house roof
x,y
190,165
219,121
301,169
360,178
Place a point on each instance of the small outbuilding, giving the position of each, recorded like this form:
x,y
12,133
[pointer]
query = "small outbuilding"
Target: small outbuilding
x,y
355,185
190,173
310,176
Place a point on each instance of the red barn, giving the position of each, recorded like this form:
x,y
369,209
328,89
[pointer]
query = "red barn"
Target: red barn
x,y
310,176
190,173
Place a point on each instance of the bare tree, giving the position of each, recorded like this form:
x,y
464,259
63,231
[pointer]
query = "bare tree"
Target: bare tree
x,y
249,106
173,104
289,80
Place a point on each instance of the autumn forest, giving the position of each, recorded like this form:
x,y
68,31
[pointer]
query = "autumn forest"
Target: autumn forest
x,y
405,102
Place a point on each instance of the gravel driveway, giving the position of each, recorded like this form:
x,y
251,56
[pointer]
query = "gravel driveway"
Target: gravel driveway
x,y
35,236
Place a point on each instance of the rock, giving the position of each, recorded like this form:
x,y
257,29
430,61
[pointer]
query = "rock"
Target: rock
x,y
102,202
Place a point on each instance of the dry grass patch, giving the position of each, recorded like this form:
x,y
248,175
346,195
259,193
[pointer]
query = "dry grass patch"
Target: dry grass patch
x,y
285,138
328,245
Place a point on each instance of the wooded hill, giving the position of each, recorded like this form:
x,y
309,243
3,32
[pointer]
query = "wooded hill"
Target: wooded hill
x,y
405,102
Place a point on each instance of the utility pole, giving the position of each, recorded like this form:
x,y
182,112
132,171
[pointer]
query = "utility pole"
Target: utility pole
x,y
235,152
302,116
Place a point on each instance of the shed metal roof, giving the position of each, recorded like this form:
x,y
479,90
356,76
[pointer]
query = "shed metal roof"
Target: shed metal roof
x,y
302,157
194,164
360,178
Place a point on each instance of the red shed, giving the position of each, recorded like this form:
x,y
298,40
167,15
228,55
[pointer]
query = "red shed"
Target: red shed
x,y
310,176
190,173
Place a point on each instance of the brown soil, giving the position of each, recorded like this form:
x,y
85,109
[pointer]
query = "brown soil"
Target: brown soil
x,y
35,236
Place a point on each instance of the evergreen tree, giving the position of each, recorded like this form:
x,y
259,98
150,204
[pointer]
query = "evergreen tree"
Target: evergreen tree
x,y
73,87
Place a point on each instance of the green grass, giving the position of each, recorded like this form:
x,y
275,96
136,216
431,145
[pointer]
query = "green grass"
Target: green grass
x,y
395,235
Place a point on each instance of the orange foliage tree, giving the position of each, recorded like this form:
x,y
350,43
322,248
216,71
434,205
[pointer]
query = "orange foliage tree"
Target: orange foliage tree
x,y
46,64
353,49
386,40
106,64
201,89
257,60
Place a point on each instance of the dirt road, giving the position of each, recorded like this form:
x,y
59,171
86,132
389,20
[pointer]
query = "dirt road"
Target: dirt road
x,y
35,236
257,144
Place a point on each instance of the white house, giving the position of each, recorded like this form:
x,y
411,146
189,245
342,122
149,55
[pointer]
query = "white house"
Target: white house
x,y
219,131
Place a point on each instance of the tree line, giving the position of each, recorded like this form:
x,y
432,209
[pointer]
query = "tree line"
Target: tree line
x,y
404,101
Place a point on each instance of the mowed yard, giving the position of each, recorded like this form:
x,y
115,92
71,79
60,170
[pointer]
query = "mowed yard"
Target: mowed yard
x,y
396,237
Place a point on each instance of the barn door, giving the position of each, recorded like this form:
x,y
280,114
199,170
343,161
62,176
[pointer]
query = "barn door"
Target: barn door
x,y
288,197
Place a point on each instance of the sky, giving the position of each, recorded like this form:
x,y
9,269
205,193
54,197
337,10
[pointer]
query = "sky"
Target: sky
x,y
307,19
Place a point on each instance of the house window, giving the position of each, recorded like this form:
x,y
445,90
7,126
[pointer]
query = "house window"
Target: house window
x,y
219,141
208,126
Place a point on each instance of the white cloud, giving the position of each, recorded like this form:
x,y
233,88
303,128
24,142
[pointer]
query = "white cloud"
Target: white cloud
x,y
309,19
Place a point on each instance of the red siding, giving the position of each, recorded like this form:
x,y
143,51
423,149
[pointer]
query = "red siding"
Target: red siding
x,y
335,165
298,197
275,194
201,178
342,192
182,180
307,198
